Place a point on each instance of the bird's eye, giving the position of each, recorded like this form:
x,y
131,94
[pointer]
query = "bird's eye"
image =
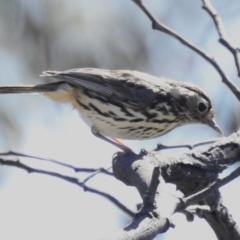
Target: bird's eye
x,y
202,107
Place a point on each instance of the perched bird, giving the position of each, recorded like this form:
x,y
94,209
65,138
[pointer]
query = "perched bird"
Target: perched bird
x,y
121,104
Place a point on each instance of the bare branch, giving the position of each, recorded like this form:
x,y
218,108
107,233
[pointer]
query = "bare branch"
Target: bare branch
x,y
204,193
186,145
111,199
223,39
191,172
76,169
149,203
70,179
142,171
157,25
95,173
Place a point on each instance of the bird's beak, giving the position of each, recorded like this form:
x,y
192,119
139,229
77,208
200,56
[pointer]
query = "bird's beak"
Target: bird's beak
x,y
212,124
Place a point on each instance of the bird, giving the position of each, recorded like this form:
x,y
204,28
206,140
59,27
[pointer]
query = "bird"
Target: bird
x,y
125,104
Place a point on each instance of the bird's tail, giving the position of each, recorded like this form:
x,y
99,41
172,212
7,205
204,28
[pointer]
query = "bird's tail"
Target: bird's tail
x,y
58,91
41,88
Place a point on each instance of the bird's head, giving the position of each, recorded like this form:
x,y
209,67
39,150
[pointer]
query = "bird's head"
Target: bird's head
x,y
195,105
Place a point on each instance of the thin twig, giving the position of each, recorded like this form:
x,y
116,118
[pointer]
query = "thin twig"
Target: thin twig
x,y
157,25
70,179
223,39
111,199
76,169
186,145
94,174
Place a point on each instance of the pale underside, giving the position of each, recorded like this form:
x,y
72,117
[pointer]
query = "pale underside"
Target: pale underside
x,y
126,104
111,121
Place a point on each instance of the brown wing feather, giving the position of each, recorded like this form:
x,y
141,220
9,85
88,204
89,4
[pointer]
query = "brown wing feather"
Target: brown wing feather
x,y
134,89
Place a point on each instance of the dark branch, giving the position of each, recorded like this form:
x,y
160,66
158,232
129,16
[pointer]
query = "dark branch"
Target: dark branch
x,y
76,169
111,199
195,173
100,170
223,39
157,25
70,179
189,146
204,193
149,203
142,171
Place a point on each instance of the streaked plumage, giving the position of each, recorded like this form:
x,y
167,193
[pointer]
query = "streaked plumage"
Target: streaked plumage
x,y
126,104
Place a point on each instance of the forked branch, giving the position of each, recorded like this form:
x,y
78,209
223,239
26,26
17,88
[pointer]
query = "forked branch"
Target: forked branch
x,y
195,173
223,39
157,25
8,161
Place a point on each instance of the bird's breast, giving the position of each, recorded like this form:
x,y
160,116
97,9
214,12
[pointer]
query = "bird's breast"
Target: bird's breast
x,y
119,121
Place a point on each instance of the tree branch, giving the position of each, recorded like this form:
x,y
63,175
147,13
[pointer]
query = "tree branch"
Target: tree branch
x,y
157,25
204,193
223,39
186,145
76,169
69,179
195,173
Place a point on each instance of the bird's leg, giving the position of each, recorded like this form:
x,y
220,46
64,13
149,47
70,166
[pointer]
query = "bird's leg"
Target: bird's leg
x,y
114,141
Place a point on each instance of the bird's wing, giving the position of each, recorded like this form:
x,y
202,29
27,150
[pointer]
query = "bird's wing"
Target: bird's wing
x,y
131,88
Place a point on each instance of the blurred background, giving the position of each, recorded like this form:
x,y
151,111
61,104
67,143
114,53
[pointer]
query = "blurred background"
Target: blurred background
x,y
39,35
